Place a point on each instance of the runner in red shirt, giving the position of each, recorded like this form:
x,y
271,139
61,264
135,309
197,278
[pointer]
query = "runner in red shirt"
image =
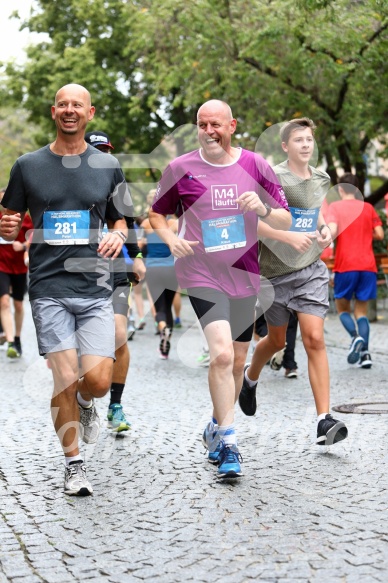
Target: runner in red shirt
x,y
356,224
13,282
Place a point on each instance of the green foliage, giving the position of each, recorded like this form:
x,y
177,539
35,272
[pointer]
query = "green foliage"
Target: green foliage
x,y
16,138
150,64
382,246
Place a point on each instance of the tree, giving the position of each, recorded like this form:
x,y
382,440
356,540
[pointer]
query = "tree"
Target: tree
x,y
149,64
16,138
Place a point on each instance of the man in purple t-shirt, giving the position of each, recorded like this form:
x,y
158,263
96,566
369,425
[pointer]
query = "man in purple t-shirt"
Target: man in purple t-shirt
x,y
218,192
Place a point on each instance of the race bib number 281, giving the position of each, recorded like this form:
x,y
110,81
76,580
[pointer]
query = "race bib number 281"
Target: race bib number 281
x,y
66,227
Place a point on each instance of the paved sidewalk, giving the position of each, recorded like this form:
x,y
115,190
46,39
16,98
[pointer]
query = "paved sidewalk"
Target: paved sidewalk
x,y
301,513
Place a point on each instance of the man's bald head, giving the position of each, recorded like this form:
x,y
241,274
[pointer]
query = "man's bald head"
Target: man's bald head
x,y
74,89
216,106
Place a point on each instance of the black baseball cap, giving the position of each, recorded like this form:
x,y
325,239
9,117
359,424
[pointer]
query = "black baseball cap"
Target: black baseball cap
x,y
98,139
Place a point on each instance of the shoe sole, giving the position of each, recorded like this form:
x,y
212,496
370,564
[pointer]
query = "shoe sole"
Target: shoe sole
x,y
120,428
335,434
213,462
229,475
354,355
80,492
365,364
291,376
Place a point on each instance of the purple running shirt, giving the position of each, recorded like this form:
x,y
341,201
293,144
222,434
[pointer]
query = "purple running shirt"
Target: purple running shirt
x,y
203,195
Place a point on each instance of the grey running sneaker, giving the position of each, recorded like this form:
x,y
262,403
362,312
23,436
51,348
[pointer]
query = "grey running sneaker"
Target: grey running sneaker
x,y
291,373
89,423
76,483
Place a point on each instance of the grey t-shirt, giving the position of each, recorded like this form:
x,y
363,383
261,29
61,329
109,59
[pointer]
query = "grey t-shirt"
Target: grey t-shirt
x,y
43,181
277,258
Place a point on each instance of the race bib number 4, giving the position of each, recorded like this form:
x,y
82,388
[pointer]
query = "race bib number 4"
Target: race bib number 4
x,y
66,227
223,233
304,220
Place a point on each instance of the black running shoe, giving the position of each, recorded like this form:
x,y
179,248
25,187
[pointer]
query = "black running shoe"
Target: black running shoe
x,y
365,360
247,397
330,431
17,345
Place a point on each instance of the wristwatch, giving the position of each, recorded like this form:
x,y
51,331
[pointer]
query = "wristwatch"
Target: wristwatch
x,y
269,210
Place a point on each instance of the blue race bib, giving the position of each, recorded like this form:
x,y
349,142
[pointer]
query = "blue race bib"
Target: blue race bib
x,y
304,220
223,233
66,227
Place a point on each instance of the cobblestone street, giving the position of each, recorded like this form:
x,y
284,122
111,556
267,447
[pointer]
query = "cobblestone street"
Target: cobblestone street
x,y
300,513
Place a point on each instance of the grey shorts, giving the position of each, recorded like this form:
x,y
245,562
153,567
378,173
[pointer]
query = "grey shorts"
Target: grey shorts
x,y
305,291
86,324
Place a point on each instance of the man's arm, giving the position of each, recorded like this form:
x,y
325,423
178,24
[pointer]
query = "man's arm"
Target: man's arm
x,y
301,242
333,228
10,224
378,233
277,218
324,236
111,244
178,247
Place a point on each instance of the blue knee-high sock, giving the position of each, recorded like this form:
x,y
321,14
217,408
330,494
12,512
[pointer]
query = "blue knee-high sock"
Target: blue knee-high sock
x,y
363,330
348,323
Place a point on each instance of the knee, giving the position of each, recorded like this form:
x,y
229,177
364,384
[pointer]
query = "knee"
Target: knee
x,y
99,385
121,339
5,303
314,342
276,342
222,359
19,308
239,362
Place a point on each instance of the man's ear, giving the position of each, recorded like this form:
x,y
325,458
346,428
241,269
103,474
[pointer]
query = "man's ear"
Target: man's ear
x,y
92,111
341,191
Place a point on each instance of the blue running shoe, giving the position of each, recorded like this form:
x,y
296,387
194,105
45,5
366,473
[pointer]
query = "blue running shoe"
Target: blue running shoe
x,y
116,418
229,462
355,349
211,441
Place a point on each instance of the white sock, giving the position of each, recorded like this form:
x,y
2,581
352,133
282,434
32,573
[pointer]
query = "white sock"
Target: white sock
x,y
74,458
321,417
249,381
227,434
83,403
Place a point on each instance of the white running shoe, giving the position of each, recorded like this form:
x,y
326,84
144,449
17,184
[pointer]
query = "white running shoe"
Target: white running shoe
x,y
89,420
76,483
276,360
